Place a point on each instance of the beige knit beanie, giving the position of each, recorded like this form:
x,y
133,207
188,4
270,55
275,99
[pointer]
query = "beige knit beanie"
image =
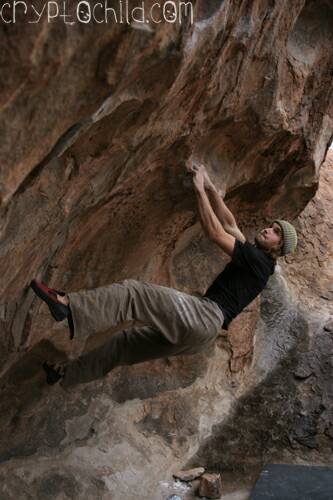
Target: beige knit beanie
x,y
289,236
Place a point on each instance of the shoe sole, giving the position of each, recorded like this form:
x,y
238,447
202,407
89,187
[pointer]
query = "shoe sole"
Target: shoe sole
x,y
52,375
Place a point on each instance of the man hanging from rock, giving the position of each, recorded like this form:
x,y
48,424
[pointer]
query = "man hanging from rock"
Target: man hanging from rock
x,y
176,323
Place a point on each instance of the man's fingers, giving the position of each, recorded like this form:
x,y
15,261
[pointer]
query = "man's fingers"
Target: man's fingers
x,y
191,169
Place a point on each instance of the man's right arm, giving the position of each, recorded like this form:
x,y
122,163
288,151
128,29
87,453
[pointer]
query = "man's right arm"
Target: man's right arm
x,y
220,209
223,213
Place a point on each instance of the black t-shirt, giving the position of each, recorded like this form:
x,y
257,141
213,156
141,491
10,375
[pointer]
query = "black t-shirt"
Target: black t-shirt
x,y
242,279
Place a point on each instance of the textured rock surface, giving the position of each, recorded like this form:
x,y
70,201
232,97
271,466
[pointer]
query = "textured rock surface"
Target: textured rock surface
x,y
97,124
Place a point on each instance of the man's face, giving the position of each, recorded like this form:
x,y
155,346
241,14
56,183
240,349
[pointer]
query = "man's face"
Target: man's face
x,y
271,237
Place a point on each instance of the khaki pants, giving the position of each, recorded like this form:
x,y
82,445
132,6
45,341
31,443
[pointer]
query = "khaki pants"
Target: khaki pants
x,y
176,323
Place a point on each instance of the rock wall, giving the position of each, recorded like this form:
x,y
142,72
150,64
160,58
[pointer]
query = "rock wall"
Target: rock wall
x,y
97,123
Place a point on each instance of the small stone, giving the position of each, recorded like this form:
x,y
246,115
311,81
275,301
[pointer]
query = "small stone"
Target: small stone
x,y
303,372
329,326
174,497
303,369
210,486
325,296
190,474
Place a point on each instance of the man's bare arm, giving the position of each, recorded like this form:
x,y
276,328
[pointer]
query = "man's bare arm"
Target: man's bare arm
x,y
223,213
211,225
220,208
215,200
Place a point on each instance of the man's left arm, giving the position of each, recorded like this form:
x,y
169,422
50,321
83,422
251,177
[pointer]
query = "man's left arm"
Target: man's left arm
x,y
211,224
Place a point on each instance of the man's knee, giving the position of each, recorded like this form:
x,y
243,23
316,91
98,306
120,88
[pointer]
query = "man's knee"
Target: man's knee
x,y
132,283
129,281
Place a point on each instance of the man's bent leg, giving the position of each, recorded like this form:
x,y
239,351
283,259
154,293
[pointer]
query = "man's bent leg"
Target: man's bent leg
x,y
177,315
126,347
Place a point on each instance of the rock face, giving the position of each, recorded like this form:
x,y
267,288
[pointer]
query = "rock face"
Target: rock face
x,y
96,125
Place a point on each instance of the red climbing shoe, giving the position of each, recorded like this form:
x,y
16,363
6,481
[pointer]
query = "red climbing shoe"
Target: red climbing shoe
x,y
58,310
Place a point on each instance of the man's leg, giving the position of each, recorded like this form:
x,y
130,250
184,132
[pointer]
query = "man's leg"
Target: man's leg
x,y
182,318
126,347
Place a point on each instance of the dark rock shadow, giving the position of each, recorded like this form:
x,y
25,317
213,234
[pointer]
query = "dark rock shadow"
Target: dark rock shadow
x,y
22,394
288,414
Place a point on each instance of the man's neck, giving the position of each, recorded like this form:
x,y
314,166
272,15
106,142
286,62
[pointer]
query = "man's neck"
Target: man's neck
x,y
267,252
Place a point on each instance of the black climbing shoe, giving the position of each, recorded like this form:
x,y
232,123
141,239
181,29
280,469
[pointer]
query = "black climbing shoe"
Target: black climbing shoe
x,y
53,373
58,310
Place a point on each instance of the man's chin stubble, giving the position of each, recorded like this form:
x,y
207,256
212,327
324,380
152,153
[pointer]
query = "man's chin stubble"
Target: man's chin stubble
x,y
258,243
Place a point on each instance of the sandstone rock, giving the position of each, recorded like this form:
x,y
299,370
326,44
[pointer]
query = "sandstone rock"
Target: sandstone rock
x,y
189,475
329,326
210,486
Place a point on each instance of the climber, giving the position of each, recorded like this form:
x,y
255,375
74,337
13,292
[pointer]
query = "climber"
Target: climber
x,y
175,323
